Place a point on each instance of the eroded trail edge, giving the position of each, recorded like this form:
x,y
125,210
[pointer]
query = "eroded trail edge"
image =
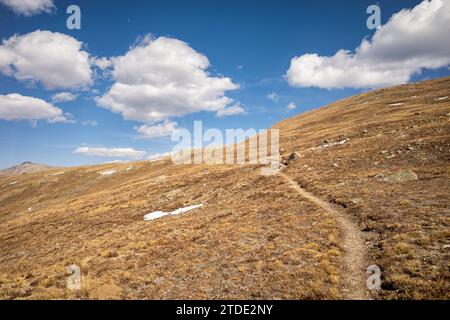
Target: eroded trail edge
x,y
355,287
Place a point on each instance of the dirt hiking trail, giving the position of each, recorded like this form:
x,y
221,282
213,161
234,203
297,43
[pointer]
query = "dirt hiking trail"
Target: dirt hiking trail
x,y
355,262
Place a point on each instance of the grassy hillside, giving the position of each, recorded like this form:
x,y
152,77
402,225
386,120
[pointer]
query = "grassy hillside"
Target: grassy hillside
x,y
376,165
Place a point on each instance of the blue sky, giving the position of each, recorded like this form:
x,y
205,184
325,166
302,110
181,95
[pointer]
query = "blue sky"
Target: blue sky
x,y
249,42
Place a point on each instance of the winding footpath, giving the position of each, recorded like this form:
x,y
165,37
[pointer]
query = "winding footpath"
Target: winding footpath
x,y
355,288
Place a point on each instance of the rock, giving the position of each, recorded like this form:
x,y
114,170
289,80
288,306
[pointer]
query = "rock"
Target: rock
x,y
365,131
293,156
401,176
335,165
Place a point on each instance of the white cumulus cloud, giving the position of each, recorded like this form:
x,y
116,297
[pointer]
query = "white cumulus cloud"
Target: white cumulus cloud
x,y
29,7
103,63
64,97
291,105
55,59
230,111
163,78
18,107
163,129
110,152
412,40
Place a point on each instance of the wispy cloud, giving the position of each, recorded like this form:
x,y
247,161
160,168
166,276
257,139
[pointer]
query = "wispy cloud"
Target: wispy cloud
x,y
163,129
273,97
64,97
231,111
110,152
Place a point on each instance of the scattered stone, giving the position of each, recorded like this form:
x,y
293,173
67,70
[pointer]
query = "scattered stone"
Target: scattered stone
x,y
293,156
401,176
326,145
161,178
335,165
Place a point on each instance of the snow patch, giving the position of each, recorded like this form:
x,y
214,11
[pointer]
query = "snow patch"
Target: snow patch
x,y
442,98
396,104
14,182
108,172
30,209
58,173
158,214
128,169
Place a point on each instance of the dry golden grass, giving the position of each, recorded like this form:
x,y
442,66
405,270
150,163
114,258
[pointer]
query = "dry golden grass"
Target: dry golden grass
x,y
405,224
252,239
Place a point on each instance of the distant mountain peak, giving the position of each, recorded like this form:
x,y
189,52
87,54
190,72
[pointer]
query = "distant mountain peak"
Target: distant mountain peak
x,y
25,167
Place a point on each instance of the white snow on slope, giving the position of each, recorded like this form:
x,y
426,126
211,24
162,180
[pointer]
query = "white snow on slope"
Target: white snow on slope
x,y
108,172
396,104
158,214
